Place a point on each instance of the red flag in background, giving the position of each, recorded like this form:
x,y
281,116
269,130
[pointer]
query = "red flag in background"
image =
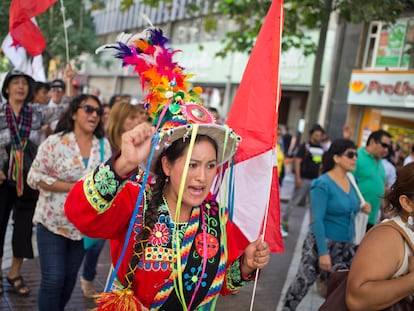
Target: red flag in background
x,y
23,31
254,116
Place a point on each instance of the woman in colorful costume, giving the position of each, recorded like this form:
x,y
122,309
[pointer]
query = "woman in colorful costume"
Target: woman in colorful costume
x,y
170,243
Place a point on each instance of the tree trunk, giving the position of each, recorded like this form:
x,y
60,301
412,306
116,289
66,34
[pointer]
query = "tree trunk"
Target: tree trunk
x,y
314,97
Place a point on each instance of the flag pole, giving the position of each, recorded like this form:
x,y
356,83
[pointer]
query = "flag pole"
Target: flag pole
x,y
62,8
278,97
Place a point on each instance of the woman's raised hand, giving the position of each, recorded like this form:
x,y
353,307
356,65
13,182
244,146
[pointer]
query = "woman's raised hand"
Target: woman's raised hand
x,y
135,148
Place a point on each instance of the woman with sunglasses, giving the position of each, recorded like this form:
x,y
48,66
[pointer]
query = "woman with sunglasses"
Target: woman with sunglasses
x,y
329,244
75,149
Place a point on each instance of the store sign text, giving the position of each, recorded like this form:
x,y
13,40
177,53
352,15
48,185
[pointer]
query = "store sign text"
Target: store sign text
x,y
398,88
382,89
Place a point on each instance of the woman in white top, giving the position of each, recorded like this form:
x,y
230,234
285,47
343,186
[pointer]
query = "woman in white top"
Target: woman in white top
x,y
382,272
77,147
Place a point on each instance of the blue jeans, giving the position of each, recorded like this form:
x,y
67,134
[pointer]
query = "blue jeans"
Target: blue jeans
x,y
60,259
91,260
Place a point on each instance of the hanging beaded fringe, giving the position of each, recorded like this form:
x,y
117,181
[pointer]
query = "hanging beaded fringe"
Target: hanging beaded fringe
x,y
121,300
124,299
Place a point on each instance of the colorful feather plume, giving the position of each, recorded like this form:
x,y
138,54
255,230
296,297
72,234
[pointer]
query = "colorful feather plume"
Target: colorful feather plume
x,y
162,77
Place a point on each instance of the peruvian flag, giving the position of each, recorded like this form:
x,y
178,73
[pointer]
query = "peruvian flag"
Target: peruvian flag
x,y
254,116
23,31
18,57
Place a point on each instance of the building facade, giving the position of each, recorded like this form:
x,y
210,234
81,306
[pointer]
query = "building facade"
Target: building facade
x,y
219,77
381,87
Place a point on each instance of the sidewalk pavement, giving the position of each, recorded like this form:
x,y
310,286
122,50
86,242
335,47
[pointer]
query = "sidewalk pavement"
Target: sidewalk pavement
x,y
312,300
265,295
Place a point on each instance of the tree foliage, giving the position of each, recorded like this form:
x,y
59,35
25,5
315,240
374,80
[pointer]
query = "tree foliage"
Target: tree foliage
x,y
300,16
81,30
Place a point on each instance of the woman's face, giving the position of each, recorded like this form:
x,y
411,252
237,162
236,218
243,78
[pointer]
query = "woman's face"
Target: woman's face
x,y
200,176
87,116
131,121
42,96
105,114
348,159
143,115
18,89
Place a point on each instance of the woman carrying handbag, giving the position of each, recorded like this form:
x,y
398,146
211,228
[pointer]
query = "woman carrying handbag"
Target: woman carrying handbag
x,y
329,245
382,272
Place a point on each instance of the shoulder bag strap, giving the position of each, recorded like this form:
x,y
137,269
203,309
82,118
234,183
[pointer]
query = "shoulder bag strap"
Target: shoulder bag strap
x,y
399,229
102,149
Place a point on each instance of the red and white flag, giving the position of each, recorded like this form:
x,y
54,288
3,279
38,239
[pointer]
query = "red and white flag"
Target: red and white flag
x,y
16,54
23,31
254,116
18,57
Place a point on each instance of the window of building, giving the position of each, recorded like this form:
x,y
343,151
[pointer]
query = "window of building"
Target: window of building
x,y
390,46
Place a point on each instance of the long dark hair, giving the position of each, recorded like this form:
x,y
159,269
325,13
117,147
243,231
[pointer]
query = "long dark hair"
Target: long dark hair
x,y
66,123
403,185
172,153
338,147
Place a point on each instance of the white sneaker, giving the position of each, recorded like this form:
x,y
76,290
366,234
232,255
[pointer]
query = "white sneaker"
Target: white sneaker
x,y
283,232
87,287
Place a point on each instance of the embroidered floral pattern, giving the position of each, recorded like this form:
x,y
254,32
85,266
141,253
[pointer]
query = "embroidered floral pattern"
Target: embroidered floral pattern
x,y
234,276
160,235
192,279
105,181
180,228
211,208
165,218
212,245
93,196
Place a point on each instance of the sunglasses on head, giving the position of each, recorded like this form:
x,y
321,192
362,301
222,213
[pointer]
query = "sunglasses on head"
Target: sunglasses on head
x,y
350,154
90,109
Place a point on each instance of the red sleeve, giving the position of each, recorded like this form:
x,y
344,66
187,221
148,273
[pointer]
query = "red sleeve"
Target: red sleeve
x,y
111,224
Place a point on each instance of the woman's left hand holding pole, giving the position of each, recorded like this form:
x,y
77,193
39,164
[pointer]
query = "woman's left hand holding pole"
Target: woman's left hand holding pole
x,y
256,256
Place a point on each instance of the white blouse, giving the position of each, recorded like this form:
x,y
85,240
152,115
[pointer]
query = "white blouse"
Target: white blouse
x,y
408,252
59,158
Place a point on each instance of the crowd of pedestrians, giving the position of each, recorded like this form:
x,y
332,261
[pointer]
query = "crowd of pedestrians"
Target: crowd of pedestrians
x,y
319,167
50,139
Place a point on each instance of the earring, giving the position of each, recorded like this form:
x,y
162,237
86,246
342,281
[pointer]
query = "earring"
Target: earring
x,y
410,222
167,179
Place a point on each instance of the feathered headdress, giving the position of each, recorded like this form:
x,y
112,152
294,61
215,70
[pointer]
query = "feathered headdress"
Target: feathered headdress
x,y
173,104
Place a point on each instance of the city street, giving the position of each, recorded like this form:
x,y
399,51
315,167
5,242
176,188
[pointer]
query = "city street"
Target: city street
x,y
273,281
